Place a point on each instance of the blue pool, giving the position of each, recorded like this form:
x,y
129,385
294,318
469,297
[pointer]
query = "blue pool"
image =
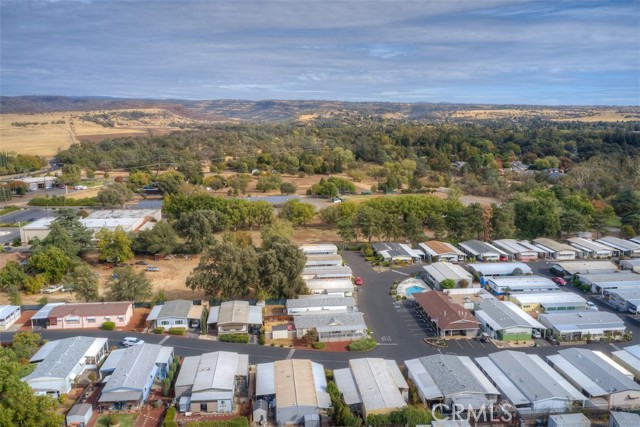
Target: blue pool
x,y
414,290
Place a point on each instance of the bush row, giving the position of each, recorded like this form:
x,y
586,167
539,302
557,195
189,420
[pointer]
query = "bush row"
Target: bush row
x,y
364,344
108,326
239,338
63,201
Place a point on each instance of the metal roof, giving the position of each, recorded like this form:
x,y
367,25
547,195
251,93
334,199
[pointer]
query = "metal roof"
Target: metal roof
x,y
504,315
323,260
334,272
347,386
174,308
534,248
553,245
62,358
329,321
235,312
299,382
499,268
112,361
435,248
625,419
7,310
376,385
512,246
585,368
477,247
517,283
321,302
588,245
440,271
621,244
440,376
80,409
136,364
583,321
320,249
611,279
43,313
549,298
629,356
575,267
343,285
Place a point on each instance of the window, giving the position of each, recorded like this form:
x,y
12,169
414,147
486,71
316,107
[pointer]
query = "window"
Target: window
x,y
107,319
203,407
120,318
164,322
179,322
73,320
91,320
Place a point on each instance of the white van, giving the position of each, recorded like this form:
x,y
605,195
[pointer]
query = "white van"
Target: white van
x,y
129,341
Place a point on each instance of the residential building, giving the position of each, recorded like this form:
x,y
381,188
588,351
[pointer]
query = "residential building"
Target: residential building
x,y
342,287
624,300
9,314
442,251
130,220
542,252
41,318
557,250
323,261
372,386
332,326
568,420
529,384
571,268
623,419
61,361
621,246
630,264
515,250
210,382
294,387
589,249
176,314
598,377
448,317
320,249
548,302
608,282
515,285
499,269
234,317
629,358
397,252
131,372
582,325
328,280
452,380
88,315
327,273
436,273
79,415
316,305
482,251
505,321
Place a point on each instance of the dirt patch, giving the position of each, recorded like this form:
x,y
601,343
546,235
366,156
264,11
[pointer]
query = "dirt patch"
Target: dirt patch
x,y
138,320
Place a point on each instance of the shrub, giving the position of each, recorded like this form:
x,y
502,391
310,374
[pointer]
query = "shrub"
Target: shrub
x,y
238,338
364,344
170,417
176,331
108,326
166,386
114,419
235,422
159,330
171,374
318,345
173,367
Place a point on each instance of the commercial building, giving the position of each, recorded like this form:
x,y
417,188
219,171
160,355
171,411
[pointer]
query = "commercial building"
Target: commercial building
x,y
629,358
130,220
130,373
176,314
590,249
571,268
332,326
549,302
529,384
556,250
434,274
582,325
441,251
448,317
515,285
505,321
499,269
61,361
598,377
397,252
234,317
515,250
84,315
372,386
621,246
452,380
210,382
624,300
323,261
317,305
8,316
611,281
34,183
296,388
320,249
482,251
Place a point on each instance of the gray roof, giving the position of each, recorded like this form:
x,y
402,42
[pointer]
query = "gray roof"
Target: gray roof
x,y
498,268
553,245
504,315
80,409
6,310
594,375
440,271
43,313
624,245
321,302
479,248
63,357
612,279
585,267
175,308
378,385
394,250
133,370
626,419
235,312
583,321
330,321
328,272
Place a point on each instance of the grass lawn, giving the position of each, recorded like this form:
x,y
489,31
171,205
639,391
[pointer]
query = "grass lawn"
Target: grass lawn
x,y
126,420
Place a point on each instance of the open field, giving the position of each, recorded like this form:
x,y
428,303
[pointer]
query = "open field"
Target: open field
x,y
582,114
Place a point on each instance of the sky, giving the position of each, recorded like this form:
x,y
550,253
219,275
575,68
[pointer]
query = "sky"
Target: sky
x,y
541,52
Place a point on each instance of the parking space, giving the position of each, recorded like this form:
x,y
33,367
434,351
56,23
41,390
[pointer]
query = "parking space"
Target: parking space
x,y
413,319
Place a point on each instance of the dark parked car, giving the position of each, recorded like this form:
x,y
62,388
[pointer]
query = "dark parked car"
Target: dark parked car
x,y
142,262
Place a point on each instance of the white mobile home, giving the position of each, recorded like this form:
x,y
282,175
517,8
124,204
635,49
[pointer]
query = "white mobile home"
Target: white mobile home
x,y
505,321
582,325
571,268
434,274
548,302
516,250
629,358
499,269
589,248
515,285
623,247
482,251
397,252
441,251
624,300
316,305
320,249
607,282
9,314
558,251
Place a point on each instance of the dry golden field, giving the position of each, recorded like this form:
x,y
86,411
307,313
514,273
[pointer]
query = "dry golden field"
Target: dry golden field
x,y
582,114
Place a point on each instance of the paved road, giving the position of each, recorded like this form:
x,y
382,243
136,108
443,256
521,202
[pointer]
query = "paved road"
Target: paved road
x,y
24,215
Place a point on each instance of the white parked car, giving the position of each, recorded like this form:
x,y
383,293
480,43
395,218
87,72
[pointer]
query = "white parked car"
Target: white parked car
x,y
80,187
591,306
536,334
129,341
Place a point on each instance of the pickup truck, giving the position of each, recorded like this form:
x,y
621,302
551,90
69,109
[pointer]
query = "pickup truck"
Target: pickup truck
x,y
52,288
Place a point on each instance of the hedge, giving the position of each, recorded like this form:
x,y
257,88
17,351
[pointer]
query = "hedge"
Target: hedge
x,y
176,331
365,344
108,326
235,422
170,417
239,338
159,330
318,345
63,201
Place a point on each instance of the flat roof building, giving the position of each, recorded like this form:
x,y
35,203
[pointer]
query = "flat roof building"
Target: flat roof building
x,y
607,282
319,249
549,302
516,250
557,250
448,317
373,386
598,377
327,273
434,274
630,264
452,380
499,269
582,325
568,420
629,358
332,326
505,321
234,317
441,251
623,419
623,247
332,260
296,387
482,251
514,285
529,384
589,249
316,305
571,268
342,287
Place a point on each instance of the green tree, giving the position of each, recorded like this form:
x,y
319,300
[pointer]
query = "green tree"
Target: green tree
x,y
192,172
60,238
71,174
269,182
70,221
139,178
51,262
114,246
116,194
169,182
280,264
448,284
12,276
161,239
197,228
25,344
572,221
216,182
259,213
279,227
83,282
297,213
288,188
537,214
239,183
127,285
